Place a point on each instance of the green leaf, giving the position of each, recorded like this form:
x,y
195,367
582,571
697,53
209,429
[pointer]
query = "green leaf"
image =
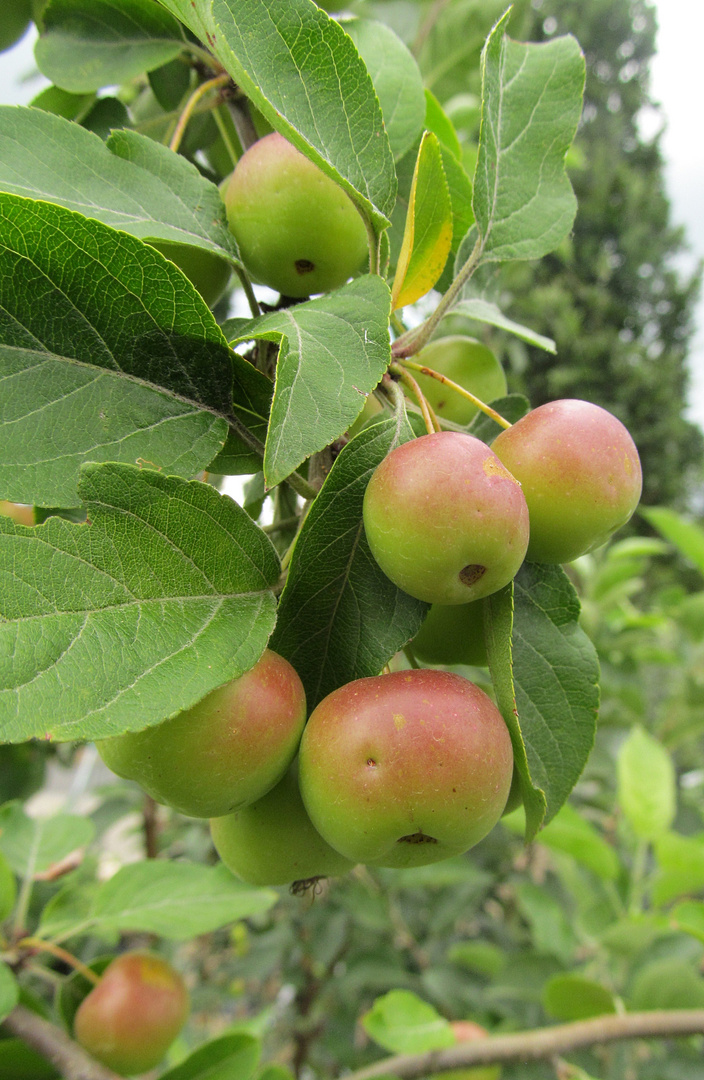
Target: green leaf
x,y
71,106
687,537
87,44
646,785
479,957
531,103
453,46
231,1057
303,73
340,617
689,917
166,593
460,188
572,997
667,984
8,885
512,408
556,674
176,900
9,991
550,926
333,352
18,1062
32,845
680,867
437,121
571,833
403,1023
107,352
428,233
132,183
498,615
396,78
484,311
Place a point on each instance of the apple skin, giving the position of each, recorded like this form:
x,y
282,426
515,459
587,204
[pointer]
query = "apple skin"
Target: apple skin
x,y
15,17
445,519
297,231
134,1013
273,842
18,512
405,769
206,272
466,362
580,473
223,753
451,635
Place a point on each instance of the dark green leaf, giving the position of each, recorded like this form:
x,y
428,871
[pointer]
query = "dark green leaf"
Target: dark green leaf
x,y
304,74
340,618
333,352
87,44
166,593
512,408
18,1062
9,991
572,997
550,926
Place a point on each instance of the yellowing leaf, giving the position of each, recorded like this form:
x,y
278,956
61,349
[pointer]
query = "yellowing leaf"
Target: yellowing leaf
x,y
428,234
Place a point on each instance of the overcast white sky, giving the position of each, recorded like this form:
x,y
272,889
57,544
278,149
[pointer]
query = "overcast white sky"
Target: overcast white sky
x,y
676,84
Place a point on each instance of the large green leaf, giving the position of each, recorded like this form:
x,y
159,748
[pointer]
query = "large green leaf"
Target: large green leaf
x,y
340,618
31,845
333,352
531,103
87,44
303,72
402,1022
177,900
115,625
131,183
107,352
231,1057
647,792
396,79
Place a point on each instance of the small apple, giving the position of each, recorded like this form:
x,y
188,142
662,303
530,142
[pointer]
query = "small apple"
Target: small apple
x,y
405,769
445,520
134,1013
15,17
273,842
580,473
23,515
451,635
208,273
223,753
467,362
297,230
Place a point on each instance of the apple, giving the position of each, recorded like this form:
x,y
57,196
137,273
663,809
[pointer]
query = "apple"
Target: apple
x,y
23,515
273,842
405,769
297,230
208,273
451,635
468,363
15,17
580,473
445,520
223,753
134,1013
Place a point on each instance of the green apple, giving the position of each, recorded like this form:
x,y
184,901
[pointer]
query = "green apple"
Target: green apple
x,y
297,230
223,753
15,17
580,473
445,520
208,273
451,635
134,1013
467,362
405,769
273,842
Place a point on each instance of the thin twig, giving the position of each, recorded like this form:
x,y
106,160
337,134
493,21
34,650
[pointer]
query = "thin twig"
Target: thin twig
x,y
198,93
70,1059
428,24
481,405
39,944
429,417
548,1042
244,126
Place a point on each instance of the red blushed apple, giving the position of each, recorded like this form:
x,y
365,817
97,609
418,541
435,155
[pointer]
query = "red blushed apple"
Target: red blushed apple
x,y
223,753
134,1013
405,769
445,520
580,473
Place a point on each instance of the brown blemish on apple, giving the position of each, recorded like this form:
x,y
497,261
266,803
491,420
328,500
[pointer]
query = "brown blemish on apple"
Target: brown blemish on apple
x,y
469,575
399,721
304,266
416,838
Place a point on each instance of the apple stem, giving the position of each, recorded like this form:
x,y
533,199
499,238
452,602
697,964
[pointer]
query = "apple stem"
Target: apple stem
x,y
431,421
198,93
60,954
225,134
486,409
